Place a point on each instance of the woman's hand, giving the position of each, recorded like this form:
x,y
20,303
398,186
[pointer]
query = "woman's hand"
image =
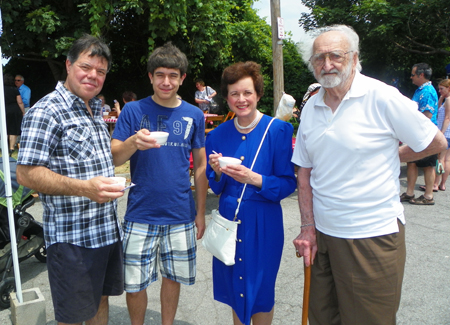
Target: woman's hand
x,y
243,175
214,163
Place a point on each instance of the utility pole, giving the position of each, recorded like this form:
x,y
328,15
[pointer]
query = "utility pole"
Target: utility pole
x,y
277,54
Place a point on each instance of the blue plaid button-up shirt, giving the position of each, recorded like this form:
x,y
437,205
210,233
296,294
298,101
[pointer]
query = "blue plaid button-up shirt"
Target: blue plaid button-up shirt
x,y
59,133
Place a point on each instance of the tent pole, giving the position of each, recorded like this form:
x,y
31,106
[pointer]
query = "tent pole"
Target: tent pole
x,y
8,190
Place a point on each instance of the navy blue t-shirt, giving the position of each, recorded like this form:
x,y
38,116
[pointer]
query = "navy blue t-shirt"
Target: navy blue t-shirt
x,y
162,194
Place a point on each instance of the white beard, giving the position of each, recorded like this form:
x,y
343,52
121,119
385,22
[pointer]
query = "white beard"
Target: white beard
x,y
331,81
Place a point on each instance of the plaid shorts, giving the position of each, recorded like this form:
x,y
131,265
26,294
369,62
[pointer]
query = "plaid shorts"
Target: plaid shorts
x,y
171,248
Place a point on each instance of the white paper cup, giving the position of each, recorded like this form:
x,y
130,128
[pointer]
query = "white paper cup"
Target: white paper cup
x,y
161,137
119,180
224,161
105,113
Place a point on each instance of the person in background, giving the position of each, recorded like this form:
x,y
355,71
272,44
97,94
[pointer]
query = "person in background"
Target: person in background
x,y
312,90
444,126
127,96
352,222
426,98
105,107
24,90
161,212
248,287
14,110
65,155
203,95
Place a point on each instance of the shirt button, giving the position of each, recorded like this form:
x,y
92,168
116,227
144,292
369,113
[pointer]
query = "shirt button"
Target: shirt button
x,y
242,295
240,240
242,158
240,260
243,137
240,278
239,200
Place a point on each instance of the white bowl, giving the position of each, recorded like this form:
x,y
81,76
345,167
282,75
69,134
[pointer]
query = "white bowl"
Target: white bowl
x,y
224,161
119,180
161,137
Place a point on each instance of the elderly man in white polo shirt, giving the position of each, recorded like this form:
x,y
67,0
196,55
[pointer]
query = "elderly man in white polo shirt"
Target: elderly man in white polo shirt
x,y
352,228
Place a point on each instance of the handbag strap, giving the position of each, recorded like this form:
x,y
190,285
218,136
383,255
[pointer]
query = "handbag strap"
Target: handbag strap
x,y
251,167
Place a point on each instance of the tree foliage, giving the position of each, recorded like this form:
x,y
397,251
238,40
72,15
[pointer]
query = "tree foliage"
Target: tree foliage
x,y
212,33
394,33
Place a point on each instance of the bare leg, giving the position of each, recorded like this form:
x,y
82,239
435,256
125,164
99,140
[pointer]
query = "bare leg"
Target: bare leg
x,y
170,293
236,320
137,306
429,175
101,318
411,176
438,178
12,141
446,164
263,318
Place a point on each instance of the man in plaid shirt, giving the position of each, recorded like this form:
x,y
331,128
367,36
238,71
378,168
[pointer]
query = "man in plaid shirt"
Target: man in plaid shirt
x,y
65,154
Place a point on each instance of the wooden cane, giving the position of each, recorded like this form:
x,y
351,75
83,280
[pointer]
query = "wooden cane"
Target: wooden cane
x,y
306,288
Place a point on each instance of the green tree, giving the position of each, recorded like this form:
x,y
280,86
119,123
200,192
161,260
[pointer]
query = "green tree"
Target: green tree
x,y
394,34
213,34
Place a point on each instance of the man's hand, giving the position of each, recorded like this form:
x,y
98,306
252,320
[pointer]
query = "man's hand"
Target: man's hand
x,y
201,225
143,140
306,245
102,189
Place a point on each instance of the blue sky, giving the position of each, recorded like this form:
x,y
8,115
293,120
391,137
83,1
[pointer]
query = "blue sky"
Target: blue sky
x,y
290,11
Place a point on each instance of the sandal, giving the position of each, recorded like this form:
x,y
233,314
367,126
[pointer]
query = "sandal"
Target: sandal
x,y
441,188
405,197
423,188
422,200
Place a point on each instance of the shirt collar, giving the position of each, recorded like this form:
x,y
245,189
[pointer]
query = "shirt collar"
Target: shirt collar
x,y
424,85
357,89
70,98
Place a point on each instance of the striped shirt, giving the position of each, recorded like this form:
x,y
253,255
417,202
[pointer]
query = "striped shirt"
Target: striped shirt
x,y
59,133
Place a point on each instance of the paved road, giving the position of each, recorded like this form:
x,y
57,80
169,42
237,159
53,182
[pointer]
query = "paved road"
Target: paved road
x,y
426,288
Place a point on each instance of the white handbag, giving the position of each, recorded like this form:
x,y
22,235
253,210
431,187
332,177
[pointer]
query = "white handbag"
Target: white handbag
x,y
220,235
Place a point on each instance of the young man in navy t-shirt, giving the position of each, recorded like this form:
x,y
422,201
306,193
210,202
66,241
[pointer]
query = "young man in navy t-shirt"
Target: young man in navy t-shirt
x,y
161,214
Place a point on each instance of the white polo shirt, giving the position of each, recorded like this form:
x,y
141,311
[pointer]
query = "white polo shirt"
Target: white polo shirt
x,y
354,157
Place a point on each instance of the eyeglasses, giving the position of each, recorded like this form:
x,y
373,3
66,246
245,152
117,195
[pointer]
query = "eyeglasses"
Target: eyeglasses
x,y
18,80
412,75
334,56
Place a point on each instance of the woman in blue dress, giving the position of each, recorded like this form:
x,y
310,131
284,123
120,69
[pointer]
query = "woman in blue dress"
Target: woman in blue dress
x,y
249,285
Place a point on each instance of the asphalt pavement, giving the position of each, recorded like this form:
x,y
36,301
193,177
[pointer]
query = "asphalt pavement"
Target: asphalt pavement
x,y
425,294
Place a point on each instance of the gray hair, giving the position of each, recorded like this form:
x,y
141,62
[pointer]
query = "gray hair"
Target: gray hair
x,y
349,33
423,68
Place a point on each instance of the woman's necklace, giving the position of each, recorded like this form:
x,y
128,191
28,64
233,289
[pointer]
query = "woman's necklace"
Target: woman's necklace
x,y
250,126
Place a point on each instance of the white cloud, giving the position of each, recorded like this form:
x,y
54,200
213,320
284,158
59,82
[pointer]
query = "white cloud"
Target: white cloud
x,y
290,11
